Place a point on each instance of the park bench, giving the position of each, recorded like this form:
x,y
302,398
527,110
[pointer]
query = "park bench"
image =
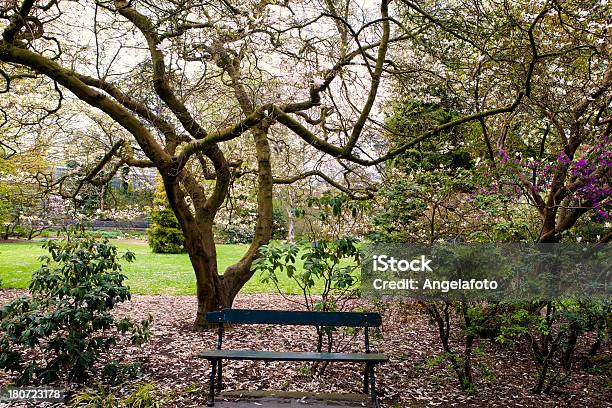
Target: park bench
x,y
280,317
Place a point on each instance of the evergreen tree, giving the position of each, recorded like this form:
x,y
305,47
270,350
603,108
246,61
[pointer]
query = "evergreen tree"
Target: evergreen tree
x,y
165,235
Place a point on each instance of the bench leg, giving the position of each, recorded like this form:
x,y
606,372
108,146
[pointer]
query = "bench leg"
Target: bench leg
x,y
366,379
219,376
373,387
211,386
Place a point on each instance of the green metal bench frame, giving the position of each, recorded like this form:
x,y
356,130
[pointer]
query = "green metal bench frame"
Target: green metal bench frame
x,y
296,318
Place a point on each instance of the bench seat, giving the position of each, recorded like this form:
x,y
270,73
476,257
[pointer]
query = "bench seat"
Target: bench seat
x,y
292,356
292,318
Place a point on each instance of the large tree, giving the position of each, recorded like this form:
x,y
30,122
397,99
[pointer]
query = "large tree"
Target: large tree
x,y
549,156
199,87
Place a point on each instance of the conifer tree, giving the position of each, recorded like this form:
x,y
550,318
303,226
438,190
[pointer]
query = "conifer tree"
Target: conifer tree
x,y
165,235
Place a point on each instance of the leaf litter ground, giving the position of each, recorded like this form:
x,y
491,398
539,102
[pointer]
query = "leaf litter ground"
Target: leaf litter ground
x,y
411,378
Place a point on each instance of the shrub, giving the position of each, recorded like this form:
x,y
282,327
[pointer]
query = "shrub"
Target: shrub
x,y
105,234
279,223
462,323
165,234
552,329
67,319
331,266
115,373
236,234
470,319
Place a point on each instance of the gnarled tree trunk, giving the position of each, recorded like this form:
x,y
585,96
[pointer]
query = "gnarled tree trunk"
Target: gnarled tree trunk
x,y
215,291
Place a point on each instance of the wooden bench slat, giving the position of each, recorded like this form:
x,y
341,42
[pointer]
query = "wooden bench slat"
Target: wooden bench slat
x,y
298,318
292,356
285,317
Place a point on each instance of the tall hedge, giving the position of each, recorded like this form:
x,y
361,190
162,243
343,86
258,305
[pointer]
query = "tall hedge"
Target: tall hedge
x,y
165,235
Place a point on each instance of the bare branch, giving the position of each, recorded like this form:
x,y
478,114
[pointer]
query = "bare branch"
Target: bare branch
x,y
359,194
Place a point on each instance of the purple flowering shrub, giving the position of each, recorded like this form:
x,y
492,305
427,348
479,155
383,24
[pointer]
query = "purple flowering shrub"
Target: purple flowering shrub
x,y
584,180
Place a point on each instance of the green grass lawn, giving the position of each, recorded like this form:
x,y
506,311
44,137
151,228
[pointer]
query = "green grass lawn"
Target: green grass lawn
x,y
149,274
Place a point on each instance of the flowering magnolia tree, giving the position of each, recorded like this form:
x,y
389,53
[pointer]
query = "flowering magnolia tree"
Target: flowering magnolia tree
x,y
25,207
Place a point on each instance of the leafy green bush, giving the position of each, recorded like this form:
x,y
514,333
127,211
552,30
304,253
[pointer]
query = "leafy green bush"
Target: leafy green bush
x,y
553,329
110,234
279,222
331,266
67,319
115,373
236,234
165,234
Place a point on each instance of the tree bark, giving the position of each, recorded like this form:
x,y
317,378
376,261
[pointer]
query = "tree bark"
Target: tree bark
x,y
290,225
200,245
215,291
238,274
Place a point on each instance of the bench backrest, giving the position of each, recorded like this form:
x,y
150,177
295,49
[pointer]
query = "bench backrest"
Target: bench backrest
x,y
298,318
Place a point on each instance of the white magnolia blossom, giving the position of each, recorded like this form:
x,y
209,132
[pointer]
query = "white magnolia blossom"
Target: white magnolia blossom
x,y
131,213
318,81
